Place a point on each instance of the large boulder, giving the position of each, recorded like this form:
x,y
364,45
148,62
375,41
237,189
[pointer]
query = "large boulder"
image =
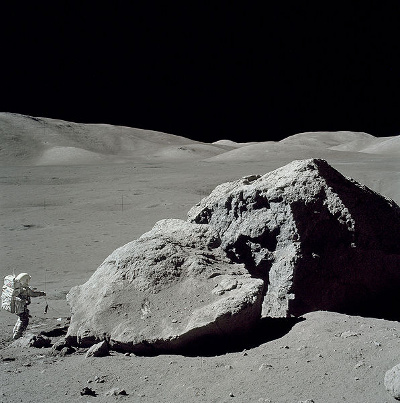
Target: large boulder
x,y
319,240
165,291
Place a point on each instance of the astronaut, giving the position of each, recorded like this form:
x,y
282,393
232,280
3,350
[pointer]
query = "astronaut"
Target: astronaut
x,y
25,295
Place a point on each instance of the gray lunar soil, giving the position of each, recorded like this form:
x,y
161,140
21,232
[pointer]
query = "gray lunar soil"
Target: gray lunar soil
x,y
71,194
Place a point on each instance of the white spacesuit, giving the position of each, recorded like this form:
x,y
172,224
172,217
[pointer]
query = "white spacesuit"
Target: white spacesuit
x,y
25,295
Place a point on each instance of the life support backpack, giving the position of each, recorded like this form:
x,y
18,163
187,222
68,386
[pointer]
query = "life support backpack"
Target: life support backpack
x,y
9,296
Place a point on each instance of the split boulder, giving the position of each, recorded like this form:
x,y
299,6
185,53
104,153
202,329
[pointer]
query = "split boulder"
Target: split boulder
x,y
319,240
299,239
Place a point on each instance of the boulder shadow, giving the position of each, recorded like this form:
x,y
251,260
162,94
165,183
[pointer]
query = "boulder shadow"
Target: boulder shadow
x,y
266,330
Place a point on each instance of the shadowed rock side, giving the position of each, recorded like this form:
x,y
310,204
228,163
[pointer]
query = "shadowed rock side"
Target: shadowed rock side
x,y
320,241
164,290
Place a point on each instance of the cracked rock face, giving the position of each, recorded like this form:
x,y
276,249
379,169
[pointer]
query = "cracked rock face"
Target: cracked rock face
x,y
320,241
163,291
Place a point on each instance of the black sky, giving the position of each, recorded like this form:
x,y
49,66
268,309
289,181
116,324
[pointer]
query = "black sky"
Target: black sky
x,y
247,71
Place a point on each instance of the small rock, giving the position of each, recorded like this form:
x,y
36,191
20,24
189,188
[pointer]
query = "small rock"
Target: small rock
x,y
97,379
60,344
231,395
359,364
40,341
66,351
348,333
228,367
392,381
88,391
98,350
306,401
31,340
265,366
377,344
116,392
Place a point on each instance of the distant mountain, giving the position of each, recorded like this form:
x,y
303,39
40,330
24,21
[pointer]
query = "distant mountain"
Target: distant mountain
x,y
29,140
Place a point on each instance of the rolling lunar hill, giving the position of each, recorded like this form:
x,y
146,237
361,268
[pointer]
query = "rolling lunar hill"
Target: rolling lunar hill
x,y
27,140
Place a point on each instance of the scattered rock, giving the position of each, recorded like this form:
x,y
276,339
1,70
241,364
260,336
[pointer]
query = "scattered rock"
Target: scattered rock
x,y
88,391
8,359
98,350
116,392
60,344
264,367
67,351
32,340
392,381
348,333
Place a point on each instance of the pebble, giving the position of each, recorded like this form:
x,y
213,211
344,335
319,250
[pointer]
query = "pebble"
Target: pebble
x,y
97,379
348,333
265,366
87,391
116,392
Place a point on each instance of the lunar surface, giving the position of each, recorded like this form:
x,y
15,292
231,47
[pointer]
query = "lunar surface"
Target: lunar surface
x,y
73,193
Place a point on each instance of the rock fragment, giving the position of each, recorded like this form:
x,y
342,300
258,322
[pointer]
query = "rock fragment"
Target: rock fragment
x,y
98,350
32,340
116,392
88,391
